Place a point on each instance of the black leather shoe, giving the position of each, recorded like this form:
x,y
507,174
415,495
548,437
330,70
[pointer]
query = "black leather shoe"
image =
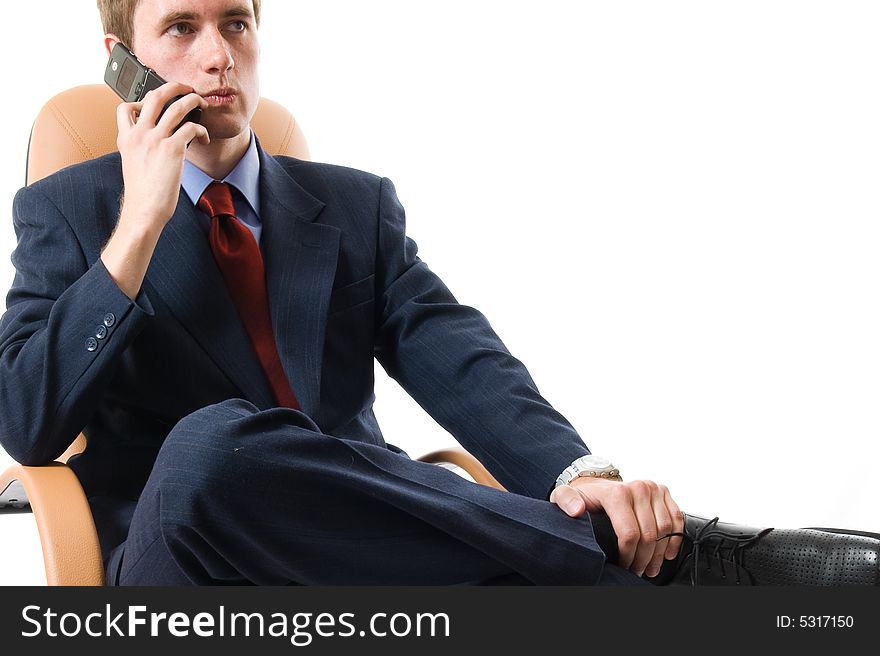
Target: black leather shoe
x,y
717,553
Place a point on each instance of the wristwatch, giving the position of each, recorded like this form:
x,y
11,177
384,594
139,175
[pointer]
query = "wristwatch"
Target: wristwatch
x,y
590,465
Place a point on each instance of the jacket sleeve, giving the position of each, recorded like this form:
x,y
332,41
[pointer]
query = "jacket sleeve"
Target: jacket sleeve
x,y
450,360
65,325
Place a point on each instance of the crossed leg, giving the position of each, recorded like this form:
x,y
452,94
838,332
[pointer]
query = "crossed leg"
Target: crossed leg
x,y
241,496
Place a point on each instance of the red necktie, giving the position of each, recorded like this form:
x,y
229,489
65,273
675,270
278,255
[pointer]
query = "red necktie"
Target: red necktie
x,y
238,257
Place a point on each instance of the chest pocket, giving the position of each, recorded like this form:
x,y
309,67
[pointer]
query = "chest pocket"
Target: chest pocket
x,y
351,295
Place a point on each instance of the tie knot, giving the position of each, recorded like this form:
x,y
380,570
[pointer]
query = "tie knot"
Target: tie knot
x,y
217,200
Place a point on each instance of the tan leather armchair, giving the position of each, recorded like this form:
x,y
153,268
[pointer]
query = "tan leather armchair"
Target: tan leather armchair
x,y
74,126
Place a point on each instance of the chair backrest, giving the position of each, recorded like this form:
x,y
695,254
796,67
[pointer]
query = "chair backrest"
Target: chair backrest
x,y
80,124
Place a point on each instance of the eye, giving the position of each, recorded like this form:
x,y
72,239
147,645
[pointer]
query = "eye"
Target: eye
x,y
179,29
238,26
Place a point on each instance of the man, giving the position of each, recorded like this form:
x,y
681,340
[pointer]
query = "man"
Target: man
x,y
231,436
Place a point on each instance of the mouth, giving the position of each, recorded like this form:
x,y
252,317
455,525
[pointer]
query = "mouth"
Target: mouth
x,y
219,97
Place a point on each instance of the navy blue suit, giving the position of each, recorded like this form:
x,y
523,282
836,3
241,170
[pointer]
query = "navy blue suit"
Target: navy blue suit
x,y
345,286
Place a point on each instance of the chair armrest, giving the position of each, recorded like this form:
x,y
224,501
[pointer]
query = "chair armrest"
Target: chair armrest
x,y
71,551
461,458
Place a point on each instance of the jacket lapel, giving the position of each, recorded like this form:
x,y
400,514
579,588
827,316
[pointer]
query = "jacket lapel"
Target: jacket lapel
x,y
300,257
183,273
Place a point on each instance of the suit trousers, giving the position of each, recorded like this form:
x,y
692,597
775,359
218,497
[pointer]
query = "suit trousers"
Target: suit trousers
x,y
239,496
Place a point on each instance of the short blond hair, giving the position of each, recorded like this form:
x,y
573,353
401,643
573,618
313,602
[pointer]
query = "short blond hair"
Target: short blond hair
x,y
117,17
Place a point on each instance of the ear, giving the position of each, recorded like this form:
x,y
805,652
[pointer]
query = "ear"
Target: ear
x,y
110,40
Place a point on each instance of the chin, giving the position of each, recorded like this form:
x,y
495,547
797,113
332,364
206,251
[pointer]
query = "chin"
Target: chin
x,y
225,129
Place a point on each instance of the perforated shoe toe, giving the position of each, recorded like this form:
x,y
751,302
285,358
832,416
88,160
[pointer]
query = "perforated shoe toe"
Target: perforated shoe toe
x,y
718,553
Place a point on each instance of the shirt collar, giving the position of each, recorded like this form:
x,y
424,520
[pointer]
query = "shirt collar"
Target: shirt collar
x,y
245,177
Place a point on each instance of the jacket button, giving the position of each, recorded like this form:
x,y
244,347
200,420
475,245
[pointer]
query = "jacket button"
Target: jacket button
x,y
109,319
101,332
91,344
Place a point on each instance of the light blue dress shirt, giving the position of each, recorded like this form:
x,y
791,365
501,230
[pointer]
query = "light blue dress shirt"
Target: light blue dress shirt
x,y
245,178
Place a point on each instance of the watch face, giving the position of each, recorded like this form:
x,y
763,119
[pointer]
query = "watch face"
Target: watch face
x,y
595,462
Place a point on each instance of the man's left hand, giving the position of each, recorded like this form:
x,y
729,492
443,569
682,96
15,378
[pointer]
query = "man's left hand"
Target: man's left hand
x,y
640,512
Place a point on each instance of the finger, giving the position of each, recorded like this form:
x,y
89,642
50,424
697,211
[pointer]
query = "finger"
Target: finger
x,y
663,519
127,115
156,99
569,500
178,110
618,507
204,137
643,493
673,545
190,131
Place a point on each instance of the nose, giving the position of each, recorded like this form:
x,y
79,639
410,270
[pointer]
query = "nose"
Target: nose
x,y
217,56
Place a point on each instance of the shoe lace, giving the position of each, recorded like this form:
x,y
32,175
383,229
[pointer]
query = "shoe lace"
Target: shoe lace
x,y
734,543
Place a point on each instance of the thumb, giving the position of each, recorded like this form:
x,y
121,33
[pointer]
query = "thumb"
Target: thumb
x,y
568,499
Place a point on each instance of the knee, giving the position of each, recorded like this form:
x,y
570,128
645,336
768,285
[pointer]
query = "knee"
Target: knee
x,y
219,448
195,456
210,420
233,422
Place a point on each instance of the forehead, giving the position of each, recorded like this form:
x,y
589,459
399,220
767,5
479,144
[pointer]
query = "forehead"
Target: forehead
x,y
149,11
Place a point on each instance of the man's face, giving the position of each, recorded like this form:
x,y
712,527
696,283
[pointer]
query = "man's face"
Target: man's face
x,y
210,45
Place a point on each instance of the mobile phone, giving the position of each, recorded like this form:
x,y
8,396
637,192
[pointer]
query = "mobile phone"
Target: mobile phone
x,y
131,80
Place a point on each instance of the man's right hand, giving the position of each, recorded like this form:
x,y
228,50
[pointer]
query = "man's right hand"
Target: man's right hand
x,y
152,167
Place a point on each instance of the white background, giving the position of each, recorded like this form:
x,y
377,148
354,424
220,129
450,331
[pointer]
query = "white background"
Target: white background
x,y
668,211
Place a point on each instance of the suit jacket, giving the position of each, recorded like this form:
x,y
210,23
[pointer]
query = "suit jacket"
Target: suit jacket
x,y
345,285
